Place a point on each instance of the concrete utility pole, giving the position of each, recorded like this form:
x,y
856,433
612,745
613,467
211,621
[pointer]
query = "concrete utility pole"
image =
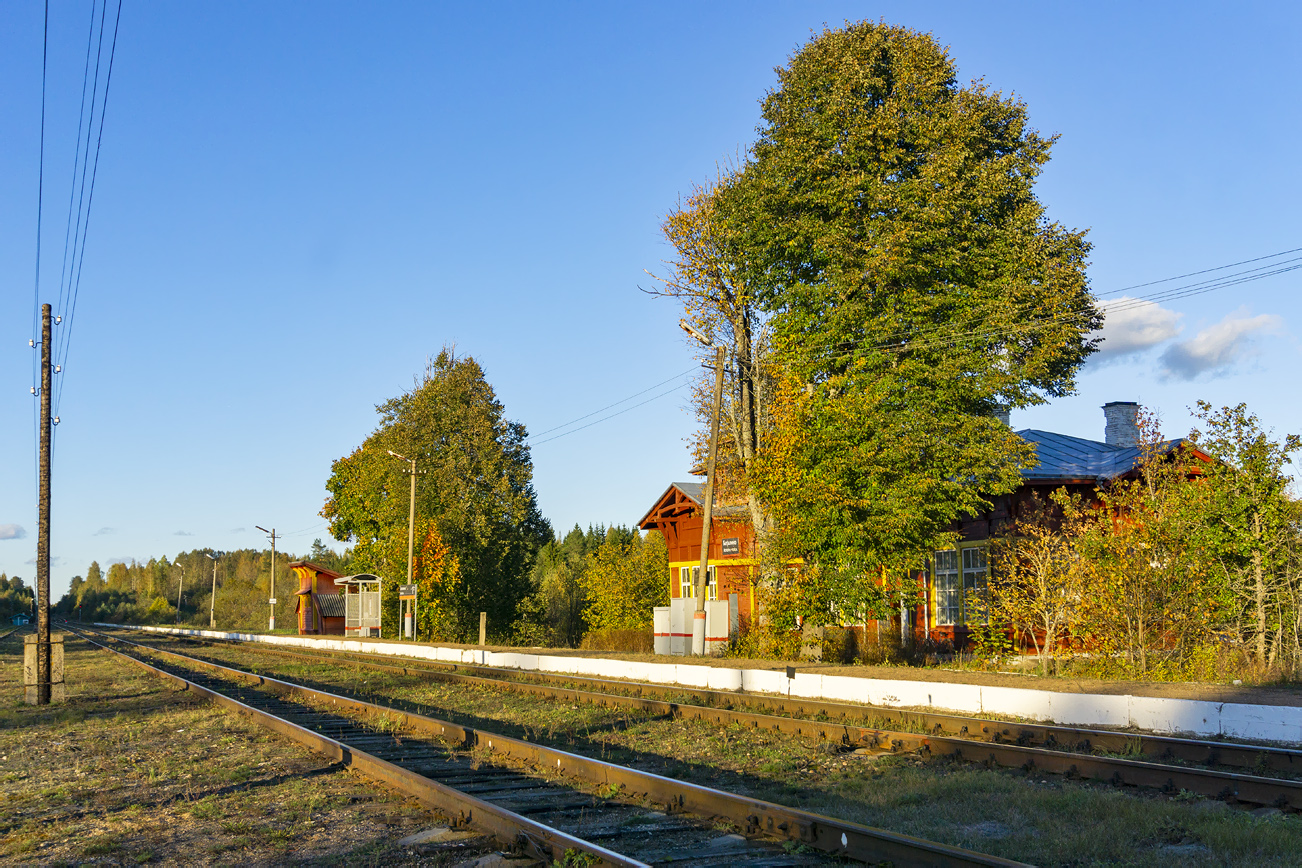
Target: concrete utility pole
x,y
411,531
178,593
212,601
698,618
271,596
43,517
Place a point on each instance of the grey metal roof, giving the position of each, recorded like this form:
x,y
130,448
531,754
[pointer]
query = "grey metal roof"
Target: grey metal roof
x,y
1065,457
694,490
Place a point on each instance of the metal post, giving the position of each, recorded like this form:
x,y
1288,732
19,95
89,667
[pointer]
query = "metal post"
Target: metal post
x,y
271,595
411,539
43,518
212,601
698,619
178,593
411,533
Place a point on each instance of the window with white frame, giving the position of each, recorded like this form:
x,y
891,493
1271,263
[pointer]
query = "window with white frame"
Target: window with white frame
x,y
687,582
949,594
974,583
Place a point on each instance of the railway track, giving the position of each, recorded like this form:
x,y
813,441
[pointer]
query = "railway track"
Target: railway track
x,y
1093,754
534,798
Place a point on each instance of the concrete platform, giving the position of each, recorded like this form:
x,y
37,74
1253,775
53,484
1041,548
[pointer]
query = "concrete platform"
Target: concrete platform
x,y
1199,718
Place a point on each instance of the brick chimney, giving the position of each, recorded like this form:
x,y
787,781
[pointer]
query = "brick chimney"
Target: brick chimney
x,y
1121,426
1003,416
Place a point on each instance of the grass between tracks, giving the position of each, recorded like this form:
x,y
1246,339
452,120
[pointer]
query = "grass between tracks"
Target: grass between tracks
x,y
131,771
1045,820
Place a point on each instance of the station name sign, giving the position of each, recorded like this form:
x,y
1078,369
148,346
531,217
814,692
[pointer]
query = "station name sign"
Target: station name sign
x,y
731,546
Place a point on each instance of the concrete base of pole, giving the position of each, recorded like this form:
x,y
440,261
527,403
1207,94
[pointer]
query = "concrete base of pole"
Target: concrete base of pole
x,y
271,623
57,692
698,633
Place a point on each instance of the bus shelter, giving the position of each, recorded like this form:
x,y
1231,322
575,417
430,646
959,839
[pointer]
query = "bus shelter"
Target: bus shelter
x,y
361,605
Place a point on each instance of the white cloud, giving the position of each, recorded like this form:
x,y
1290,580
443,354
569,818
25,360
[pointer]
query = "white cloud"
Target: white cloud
x,y
1131,326
181,533
105,531
1216,348
12,531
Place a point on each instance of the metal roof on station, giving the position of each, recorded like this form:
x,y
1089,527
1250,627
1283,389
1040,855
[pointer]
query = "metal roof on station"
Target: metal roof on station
x,y
1064,457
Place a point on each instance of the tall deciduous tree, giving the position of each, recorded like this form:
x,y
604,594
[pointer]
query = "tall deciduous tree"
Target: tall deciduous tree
x,y
712,277
916,288
1252,522
475,487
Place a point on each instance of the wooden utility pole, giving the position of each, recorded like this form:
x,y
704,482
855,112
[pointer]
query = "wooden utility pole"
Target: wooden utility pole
x,y
698,619
43,518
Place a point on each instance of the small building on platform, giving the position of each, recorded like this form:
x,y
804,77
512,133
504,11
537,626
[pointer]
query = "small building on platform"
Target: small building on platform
x,y
361,595
679,516
320,600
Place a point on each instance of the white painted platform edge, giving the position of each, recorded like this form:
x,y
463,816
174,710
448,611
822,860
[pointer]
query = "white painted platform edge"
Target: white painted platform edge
x,y
1274,723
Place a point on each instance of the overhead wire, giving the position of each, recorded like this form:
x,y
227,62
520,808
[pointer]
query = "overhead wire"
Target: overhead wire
x,y
80,256
78,165
948,336
942,336
611,416
677,376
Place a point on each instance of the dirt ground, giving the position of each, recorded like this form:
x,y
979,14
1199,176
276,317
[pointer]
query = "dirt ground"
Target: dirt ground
x,y
1254,695
129,771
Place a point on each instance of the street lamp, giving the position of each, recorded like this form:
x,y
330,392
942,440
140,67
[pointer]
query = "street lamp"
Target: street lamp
x,y
271,594
212,603
698,618
411,530
178,593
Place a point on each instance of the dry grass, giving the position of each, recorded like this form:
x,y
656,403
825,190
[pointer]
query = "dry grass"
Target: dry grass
x,y
129,771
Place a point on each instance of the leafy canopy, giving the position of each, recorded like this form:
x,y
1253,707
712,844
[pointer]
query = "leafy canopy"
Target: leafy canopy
x,y
915,286
474,491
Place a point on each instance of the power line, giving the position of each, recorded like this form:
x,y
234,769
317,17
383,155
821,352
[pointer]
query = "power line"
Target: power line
x,y
1204,271
94,174
612,415
616,404
77,163
942,336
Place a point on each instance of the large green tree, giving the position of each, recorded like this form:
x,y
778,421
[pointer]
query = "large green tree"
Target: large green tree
x,y
474,486
916,288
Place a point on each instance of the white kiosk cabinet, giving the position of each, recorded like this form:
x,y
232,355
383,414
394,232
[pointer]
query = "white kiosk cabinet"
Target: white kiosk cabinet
x,y
361,605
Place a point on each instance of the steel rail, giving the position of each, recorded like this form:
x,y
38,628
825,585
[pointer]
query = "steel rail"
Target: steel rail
x,y
991,749
1058,738
539,840
754,816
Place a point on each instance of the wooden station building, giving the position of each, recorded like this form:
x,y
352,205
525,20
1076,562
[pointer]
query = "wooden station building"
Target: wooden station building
x,y
320,600
946,577
679,516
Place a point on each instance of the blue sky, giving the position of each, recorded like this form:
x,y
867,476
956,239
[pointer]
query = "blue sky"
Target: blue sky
x,y
296,204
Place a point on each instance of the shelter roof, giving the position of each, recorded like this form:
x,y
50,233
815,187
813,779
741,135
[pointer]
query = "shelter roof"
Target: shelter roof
x,y
360,578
